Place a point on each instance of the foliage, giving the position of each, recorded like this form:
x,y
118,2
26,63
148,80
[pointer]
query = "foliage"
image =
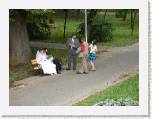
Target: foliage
x,y
38,23
120,13
125,89
99,29
122,32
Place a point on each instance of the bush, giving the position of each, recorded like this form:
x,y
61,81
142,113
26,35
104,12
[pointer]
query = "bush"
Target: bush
x,y
99,30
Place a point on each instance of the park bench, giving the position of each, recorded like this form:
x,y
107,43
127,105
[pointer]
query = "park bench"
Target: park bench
x,y
35,66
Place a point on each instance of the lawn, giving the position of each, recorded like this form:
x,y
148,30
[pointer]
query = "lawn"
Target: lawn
x,y
19,72
122,32
125,89
71,27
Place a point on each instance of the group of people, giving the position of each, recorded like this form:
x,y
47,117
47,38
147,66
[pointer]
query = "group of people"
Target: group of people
x,y
76,49
84,51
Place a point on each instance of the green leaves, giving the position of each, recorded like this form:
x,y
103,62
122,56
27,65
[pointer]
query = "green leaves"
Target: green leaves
x,y
38,23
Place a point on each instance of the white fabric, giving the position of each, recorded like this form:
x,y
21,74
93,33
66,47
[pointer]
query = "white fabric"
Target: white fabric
x,y
40,57
93,48
72,40
47,65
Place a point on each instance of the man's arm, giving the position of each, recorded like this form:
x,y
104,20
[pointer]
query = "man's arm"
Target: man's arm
x,y
77,44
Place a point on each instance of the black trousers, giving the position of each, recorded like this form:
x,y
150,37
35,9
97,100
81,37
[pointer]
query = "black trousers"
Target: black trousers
x,y
58,64
72,59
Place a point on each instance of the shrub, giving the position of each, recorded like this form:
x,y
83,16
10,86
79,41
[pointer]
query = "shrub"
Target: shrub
x,y
98,29
101,32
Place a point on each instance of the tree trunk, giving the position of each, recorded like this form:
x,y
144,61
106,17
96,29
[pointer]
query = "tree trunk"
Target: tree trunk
x,y
65,19
131,21
133,24
19,49
125,15
104,17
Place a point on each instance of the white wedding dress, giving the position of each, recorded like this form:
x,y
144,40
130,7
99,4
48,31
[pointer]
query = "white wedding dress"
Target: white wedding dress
x,y
47,65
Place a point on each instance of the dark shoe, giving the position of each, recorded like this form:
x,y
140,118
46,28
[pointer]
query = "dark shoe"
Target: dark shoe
x,y
68,69
85,72
79,73
59,72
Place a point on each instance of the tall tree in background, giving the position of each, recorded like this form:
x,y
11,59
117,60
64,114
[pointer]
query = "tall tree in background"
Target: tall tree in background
x,y
125,12
133,18
19,49
65,19
38,23
105,13
91,15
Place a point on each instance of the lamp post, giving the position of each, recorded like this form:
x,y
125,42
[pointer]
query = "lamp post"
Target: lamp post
x,y
86,35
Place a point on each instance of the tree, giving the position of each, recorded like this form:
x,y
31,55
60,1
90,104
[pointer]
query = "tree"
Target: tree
x,y
19,49
65,19
91,15
98,27
39,23
104,17
133,18
125,12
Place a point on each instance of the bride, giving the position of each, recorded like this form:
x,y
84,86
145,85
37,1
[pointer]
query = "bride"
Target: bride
x,y
47,65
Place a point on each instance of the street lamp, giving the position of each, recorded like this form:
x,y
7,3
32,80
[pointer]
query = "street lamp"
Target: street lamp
x,y
86,35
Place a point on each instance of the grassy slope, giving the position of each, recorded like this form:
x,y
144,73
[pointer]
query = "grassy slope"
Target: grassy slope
x,y
127,88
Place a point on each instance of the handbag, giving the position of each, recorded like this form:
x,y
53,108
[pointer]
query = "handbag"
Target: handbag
x,y
81,54
78,50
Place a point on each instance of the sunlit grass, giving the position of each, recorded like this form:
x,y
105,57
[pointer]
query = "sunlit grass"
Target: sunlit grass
x,y
125,89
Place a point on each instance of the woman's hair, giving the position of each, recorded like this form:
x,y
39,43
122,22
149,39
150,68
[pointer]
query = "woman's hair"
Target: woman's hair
x,y
40,49
45,50
94,42
81,39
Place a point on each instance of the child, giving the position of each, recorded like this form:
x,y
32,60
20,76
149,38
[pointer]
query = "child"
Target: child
x,y
92,54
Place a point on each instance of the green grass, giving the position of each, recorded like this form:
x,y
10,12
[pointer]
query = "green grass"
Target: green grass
x,y
23,71
125,89
20,72
122,32
71,27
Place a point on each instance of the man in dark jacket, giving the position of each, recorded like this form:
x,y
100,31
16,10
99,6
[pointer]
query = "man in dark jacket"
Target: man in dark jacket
x,y
72,45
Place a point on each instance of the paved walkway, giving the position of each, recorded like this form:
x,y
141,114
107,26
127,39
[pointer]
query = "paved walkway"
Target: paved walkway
x,y
69,87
